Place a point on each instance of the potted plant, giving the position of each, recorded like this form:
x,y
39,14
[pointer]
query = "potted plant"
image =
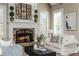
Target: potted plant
x,y
40,39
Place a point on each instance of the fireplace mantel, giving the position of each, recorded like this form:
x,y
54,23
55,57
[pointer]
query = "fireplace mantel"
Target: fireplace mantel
x,y
28,44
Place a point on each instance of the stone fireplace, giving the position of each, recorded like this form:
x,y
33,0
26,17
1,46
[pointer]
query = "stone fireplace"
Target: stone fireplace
x,y
23,35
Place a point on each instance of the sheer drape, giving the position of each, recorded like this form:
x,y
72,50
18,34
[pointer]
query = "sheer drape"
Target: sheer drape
x,y
58,22
44,22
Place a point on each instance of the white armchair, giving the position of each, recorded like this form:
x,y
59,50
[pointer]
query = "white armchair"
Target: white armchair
x,y
65,46
8,48
70,45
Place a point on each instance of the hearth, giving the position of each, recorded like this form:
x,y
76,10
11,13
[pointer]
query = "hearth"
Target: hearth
x,y
22,35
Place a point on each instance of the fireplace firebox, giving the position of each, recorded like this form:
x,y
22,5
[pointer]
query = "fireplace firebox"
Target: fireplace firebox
x,y
24,35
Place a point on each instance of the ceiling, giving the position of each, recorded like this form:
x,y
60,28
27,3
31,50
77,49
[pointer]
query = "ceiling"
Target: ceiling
x,y
52,4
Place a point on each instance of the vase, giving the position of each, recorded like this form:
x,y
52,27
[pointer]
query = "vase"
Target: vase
x,y
38,44
35,46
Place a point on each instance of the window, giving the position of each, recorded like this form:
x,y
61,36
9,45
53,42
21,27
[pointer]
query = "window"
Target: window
x,y
58,22
44,21
2,19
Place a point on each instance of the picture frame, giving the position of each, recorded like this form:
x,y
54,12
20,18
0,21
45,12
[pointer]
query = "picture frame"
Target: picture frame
x,y
23,12
18,11
70,21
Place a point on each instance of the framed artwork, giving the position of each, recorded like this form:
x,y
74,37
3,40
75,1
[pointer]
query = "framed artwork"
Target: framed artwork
x,y
70,21
18,11
28,11
23,11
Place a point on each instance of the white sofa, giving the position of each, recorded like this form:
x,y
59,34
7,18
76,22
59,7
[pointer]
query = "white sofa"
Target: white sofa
x,y
66,45
8,48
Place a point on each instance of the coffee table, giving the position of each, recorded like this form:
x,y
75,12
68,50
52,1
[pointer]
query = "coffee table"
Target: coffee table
x,y
33,52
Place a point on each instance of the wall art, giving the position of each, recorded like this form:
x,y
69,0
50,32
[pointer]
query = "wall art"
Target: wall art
x,y
70,21
23,11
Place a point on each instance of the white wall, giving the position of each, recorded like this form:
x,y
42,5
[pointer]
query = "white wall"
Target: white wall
x,y
68,7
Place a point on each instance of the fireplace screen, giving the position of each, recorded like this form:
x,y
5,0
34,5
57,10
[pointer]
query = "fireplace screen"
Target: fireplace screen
x,y
24,36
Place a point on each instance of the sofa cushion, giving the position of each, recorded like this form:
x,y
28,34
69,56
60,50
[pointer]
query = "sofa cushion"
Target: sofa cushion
x,y
54,45
55,39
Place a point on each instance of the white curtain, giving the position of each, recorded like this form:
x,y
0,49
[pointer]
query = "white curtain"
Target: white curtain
x,y
58,22
44,22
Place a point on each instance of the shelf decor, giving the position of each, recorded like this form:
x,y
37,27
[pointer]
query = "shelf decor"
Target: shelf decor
x,y
36,11
36,16
23,11
11,14
11,8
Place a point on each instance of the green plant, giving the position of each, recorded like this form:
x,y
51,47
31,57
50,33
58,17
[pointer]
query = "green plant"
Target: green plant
x,y
36,11
35,16
40,38
11,8
35,20
11,14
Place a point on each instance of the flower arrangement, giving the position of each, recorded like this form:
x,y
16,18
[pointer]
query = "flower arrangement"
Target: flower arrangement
x,y
40,38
